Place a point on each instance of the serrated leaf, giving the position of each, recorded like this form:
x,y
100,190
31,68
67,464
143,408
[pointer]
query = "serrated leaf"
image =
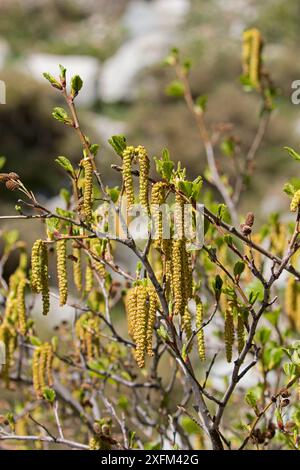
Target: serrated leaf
x,y
65,163
118,143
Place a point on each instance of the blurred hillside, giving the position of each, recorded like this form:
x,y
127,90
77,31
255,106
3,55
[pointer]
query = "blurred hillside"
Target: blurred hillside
x,y
118,46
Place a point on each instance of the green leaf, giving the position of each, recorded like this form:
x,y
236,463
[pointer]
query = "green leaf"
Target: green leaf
x,y
94,149
65,163
61,115
189,425
295,155
228,147
186,187
123,402
76,85
175,89
63,72
201,103
49,394
118,143
35,341
164,165
289,189
113,193
251,399
289,369
162,332
52,80
263,335
2,162
238,268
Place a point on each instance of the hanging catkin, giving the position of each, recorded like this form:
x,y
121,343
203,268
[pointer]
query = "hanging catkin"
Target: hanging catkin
x,y
141,325
61,253
187,323
128,155
295,202
240,333
199,329
42,362
157,199
252,48
8,338
151,318
77,268
131,306
229,332
36,267
89,276
45,279
178,277
144,165
88,188
21,306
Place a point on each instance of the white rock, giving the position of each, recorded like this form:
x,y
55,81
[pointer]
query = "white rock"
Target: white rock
x,y
85,66
120,73
144,17
152,31
106,127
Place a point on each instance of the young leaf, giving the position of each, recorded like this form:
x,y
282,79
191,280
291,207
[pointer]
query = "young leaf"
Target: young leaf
x,y
175,89
61,115
52,80
118,143
238,268
76,85
65,163
49,394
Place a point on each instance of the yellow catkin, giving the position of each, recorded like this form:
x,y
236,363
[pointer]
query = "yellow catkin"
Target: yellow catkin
x,y
89,277
187,323
157,199
128,155
86,331
295,202
49,363
187,273
240,333
21,306
144,165
131,306
229,333
152,296
179,216
200,330
96,251
77,268
61,253
141,325
8,338
252,48
36,372
177,277
36,267
88,188
42,368
11,307
45,279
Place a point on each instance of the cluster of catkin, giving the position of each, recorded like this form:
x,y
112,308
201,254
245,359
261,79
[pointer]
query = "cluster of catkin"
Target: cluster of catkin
x,y
252,60
15,307
292,301
130,155
8,337
39,271
42,363
141,306
87,333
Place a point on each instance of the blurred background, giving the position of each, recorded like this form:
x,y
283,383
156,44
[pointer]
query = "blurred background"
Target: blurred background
x,y
118,47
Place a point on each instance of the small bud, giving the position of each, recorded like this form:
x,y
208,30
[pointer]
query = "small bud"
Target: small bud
x,y
246,229
249,219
